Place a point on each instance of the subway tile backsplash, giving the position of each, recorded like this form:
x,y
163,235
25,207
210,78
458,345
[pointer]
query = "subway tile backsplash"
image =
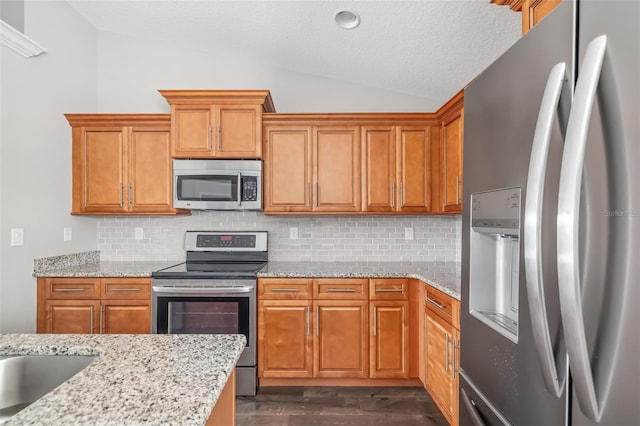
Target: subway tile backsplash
x,y
320,238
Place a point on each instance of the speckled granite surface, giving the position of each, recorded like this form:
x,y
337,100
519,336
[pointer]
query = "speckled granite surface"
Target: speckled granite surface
x,y
445,276
66,260
136,379
105,269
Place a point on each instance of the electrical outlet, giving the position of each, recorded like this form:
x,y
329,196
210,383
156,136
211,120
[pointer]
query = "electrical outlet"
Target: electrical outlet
x,y
408,234
139,233
17,237
67,234
293,233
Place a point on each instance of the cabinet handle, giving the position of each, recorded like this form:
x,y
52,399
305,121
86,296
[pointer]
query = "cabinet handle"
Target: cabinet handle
x,y
68,290
124,289
307,194
456,349
129,191
433,302
101,322
121,190
308,321
341,290
318,321
401,194
375,325
91,310
219,138
446,352
458,189
317,193
285,290
390,290
209,138
393,194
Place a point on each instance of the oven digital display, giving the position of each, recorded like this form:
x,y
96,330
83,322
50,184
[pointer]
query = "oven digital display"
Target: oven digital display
x,y
231,240
226,238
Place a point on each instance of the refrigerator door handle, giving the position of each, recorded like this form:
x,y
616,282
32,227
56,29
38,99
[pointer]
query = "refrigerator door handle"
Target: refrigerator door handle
x,y
568,225
476,420
533,229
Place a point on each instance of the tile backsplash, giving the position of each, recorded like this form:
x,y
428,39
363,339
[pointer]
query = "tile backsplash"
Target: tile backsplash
x,y
320,238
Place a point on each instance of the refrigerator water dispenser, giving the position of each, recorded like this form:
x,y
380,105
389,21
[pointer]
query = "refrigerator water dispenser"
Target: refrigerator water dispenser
x,y
494,273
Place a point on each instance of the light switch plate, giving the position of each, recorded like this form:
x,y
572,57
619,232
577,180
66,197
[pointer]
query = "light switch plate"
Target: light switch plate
x,y
408,234
17,237
67,234
139,233
293,233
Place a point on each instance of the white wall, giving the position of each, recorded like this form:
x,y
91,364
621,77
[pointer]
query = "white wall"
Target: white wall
x,y
35,151
131,71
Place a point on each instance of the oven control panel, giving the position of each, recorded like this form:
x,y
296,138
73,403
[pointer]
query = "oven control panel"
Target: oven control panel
x,y
229,240
255,241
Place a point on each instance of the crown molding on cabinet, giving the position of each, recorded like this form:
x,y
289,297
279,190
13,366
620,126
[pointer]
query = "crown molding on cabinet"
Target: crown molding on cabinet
x,y
19,42
515,5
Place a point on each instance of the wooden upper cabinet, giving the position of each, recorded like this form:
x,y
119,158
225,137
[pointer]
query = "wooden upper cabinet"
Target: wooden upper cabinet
x,y
121,164
217,123
414,169
533,11
451,117
379,168
287,169
336,172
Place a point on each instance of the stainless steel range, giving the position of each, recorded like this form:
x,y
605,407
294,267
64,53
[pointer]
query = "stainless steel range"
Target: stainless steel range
x,y
214,292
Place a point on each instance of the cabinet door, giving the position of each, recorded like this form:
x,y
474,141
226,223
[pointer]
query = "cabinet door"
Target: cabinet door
x,y
150,174
379,168
238,131
389,339
71,316
440,369
125,317
103,170
414,169
336,152
192,132
341,346
534,10
284,338
451,164
287,169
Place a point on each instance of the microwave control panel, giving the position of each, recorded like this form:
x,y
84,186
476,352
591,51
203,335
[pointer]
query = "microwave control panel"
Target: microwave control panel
x,y
249,188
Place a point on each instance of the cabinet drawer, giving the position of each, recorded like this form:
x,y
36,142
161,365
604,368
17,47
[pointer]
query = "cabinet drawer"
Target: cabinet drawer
x,y
126,288
332,288
389,289
443,305
72,288
284,288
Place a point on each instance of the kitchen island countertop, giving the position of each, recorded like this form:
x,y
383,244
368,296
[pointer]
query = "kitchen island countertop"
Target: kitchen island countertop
x,y
444,276
150,379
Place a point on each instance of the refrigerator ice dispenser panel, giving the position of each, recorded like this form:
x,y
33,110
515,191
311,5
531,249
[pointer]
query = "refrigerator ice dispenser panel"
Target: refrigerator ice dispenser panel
x,y
494,273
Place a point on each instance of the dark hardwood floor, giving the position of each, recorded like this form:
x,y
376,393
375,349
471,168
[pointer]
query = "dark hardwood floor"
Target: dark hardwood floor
x,y
352,406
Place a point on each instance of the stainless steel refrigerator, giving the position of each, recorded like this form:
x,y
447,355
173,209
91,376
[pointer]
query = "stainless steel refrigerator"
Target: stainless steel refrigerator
x,y
550,322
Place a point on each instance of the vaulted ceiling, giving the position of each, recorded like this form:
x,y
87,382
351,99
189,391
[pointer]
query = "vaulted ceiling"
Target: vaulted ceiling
x,y
425,48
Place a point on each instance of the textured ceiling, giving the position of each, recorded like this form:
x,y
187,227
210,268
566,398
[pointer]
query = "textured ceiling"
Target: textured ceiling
x,y
425,48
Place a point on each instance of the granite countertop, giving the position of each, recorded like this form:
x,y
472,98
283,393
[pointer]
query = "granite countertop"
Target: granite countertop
x,y
106,269
445,276
151,379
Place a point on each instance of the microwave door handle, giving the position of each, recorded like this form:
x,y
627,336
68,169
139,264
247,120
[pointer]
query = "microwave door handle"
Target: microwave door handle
x,y
239,188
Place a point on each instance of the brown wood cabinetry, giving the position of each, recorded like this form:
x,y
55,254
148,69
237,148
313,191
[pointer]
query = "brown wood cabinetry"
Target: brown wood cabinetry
x,y
532,10
396,169
121,164
94,305
348,163
451,117
442,346
217,123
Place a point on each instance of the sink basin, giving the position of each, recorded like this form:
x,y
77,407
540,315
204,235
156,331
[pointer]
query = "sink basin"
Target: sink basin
x,y
25,379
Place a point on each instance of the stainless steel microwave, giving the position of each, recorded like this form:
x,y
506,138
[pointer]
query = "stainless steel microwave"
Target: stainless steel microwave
x,y
217,184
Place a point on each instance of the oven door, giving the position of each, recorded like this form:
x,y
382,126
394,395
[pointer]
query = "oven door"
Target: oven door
x,y
189,307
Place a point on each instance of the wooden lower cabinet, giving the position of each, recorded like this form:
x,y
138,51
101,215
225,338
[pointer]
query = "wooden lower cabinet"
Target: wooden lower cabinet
x,y
389,339
94,305
341,339
285,346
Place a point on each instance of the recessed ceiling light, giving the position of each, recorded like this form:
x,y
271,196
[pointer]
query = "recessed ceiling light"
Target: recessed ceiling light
x,y
347,20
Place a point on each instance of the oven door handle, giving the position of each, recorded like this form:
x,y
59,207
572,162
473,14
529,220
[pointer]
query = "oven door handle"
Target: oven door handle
x,y
199,290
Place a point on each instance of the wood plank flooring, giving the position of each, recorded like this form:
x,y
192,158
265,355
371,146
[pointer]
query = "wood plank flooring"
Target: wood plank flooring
x,y
336,406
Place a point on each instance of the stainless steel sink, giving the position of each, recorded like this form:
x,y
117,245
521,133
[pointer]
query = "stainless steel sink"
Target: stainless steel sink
x,y
25,379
